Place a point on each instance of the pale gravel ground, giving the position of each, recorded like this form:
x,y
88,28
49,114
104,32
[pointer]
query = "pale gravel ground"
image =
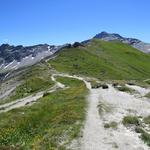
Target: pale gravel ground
x,y
96,137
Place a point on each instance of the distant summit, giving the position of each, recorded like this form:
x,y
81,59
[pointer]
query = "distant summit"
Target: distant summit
x,y
106,35
138,44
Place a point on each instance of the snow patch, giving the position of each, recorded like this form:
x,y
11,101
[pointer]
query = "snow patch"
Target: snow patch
x,y
9,64
49,48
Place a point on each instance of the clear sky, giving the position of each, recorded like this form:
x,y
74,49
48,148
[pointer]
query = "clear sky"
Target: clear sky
x,y
31,22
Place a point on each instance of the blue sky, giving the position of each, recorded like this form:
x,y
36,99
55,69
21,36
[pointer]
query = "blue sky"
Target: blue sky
x,y
31,22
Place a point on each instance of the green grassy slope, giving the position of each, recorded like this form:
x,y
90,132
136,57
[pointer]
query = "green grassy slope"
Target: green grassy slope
x,y
49,124
36,78
104,60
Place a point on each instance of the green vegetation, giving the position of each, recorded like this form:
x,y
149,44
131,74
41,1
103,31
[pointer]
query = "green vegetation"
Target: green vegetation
x,y
104,60
36,79
111,125
114,145
98,85
148,95
144,135
124,88
142,84
93,82
138,130
95,85
147,120
57,118
49,124
46,94
104,108
31,85
148,81
130,120
68,81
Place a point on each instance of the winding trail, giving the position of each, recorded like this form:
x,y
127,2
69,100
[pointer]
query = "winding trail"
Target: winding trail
x,y
34,97
95,136
29,100
88,84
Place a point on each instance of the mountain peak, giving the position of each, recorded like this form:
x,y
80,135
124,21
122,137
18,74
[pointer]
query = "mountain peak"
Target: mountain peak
x,y
138,44
102,34
108,36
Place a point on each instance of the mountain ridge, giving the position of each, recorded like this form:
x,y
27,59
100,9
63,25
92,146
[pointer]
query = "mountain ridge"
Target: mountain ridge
x,y
136,43
15,57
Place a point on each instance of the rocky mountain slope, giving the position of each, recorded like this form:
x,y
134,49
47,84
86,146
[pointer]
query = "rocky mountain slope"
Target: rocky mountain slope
x,y
138,44
14,57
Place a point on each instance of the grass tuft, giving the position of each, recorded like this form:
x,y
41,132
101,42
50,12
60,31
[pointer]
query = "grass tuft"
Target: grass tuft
x,y
124,88
111,125
130,120
148,95
147,120
104,108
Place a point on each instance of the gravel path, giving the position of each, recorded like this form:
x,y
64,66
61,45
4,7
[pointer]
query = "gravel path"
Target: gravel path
x,y
96,137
